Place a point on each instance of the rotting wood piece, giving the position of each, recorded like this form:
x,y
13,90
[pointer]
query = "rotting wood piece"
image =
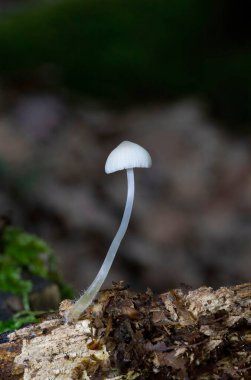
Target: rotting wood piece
x,y
181,334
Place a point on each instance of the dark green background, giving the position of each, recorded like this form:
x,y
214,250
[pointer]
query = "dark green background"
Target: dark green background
x,y
134,51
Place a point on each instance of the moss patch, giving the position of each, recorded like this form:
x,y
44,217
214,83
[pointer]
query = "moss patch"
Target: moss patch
x,y
23,255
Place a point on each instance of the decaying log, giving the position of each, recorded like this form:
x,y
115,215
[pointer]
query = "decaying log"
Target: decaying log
x,y
181,334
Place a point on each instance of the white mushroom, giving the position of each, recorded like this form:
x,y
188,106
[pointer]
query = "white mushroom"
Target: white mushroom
x,y
127,156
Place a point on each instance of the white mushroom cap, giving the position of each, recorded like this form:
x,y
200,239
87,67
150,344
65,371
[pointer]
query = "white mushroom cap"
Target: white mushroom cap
x,y
127,155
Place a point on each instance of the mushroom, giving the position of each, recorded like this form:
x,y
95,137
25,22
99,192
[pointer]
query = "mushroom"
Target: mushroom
x,y
127,155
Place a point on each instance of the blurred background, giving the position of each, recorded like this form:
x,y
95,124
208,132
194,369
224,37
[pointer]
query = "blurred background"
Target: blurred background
x,y
77,77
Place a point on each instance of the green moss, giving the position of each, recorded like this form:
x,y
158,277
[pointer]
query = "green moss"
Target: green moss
x,y
18,320
22,255
27,250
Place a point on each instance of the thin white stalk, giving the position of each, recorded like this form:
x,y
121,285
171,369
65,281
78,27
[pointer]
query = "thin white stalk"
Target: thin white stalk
x,y
86,299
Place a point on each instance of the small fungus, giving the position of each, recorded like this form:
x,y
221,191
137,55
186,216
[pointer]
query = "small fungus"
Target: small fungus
x,y
127,156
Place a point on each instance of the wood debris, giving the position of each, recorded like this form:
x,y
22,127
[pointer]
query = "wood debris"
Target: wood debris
x,y
200,334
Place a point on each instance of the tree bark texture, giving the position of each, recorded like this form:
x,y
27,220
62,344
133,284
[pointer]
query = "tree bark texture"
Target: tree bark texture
x,y
181,334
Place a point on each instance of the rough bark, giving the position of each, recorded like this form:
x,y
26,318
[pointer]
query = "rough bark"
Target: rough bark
x,y
181,334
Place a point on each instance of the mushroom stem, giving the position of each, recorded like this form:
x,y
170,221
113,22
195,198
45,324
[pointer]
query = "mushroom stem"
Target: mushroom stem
x,y
86,299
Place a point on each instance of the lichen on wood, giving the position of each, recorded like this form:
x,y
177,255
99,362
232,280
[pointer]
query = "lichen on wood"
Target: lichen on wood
x,y
181,334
